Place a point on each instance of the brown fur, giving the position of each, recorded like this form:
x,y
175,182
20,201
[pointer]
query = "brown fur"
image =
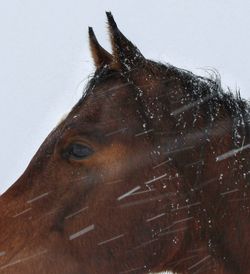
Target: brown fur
x,y
152,196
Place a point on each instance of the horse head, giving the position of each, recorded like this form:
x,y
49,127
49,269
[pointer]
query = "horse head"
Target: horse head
x,y
131,181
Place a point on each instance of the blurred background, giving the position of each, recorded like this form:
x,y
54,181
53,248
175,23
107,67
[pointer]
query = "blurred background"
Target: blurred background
x,y
45,59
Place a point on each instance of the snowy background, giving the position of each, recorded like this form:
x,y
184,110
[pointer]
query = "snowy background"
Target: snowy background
x,y
45,59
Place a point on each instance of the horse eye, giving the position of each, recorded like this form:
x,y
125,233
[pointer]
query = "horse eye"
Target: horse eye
x,y
78,151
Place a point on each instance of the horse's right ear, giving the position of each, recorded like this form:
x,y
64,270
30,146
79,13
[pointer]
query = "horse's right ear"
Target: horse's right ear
x,y
100,55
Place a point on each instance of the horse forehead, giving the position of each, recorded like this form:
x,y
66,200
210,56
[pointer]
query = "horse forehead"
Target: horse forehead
x,y
108,94
93,114
104,98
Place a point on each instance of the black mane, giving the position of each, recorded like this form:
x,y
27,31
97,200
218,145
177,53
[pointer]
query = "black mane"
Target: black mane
x,y
207,93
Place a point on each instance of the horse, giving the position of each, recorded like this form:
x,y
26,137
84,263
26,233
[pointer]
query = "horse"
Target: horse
x,y
149,172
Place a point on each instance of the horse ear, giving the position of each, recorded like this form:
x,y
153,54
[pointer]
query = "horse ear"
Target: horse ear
x,y
126,54
100,55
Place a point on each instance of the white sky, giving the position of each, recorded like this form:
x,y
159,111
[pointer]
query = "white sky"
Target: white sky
x,y
44,56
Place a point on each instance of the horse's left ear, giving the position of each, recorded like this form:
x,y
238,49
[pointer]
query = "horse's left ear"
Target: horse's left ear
x,y
126,54
100,55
